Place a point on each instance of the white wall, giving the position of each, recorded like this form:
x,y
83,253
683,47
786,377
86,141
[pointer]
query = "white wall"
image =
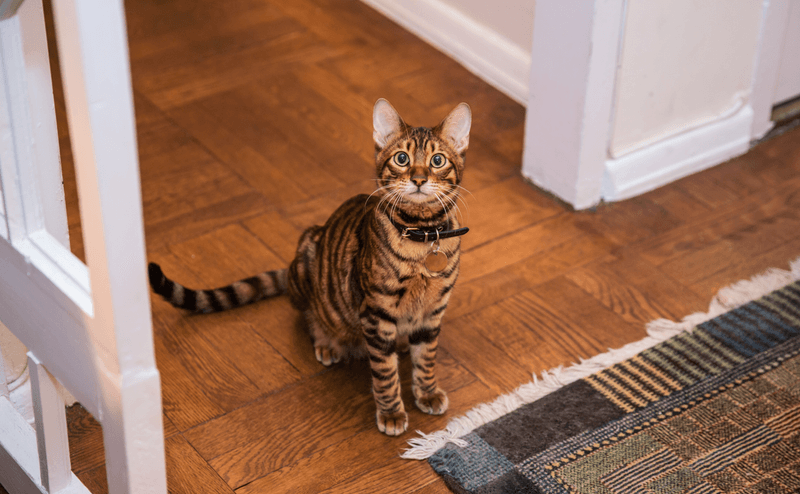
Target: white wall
x,y
788,83
683,63
512,19
491,39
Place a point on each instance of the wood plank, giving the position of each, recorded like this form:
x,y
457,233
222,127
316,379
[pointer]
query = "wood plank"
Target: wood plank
x,y
631,220
485,166
300,420
342,144
212,346
436,487
204,219
277,233
188,29
721,226
470,339
171,80
184,399
266,133
334,21
278,323
213,260
349,459
480,292
514,247
502,208
95,480
539,335
86,449
768,225
777,257
635,290
403,479
285,349
607,328
316,211
187,472
223,382
679,203
273,182
165,175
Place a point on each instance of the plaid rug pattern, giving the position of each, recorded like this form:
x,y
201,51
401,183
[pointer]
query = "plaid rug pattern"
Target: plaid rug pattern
x,y
714,410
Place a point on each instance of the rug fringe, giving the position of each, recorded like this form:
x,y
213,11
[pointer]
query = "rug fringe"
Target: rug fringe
x,y
658,330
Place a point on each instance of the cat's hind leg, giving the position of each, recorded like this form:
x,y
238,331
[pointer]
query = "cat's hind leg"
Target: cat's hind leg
x,y
327,349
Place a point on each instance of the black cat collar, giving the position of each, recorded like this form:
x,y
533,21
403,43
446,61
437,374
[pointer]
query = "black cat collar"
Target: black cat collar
x,y
429,234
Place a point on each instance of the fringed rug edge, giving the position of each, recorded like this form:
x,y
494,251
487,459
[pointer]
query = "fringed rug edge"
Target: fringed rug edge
x,y
659,330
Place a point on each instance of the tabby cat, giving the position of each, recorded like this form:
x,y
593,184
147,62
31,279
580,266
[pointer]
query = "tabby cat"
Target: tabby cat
x,y
377,277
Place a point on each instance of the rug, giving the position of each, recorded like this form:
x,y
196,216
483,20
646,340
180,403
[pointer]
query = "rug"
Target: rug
x,y
708,405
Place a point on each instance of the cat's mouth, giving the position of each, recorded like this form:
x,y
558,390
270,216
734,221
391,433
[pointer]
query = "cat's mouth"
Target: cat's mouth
x,y
418,196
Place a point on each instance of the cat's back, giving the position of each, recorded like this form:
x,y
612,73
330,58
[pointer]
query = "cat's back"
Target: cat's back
x,y
348,219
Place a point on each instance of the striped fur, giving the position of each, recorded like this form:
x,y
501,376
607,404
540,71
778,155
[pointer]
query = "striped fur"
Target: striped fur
x,y
362,288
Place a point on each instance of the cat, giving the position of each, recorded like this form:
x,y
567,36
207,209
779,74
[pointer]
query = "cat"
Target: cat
x,y
376,279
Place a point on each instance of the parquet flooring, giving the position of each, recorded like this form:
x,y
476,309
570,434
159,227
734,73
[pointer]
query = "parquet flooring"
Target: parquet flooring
x,y
254,122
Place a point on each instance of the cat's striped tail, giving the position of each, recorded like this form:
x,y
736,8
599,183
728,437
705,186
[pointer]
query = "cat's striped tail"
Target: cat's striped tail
x,y
246,291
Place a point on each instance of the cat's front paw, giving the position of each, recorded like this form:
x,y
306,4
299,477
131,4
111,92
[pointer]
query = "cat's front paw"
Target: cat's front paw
x,y
433,403
392,424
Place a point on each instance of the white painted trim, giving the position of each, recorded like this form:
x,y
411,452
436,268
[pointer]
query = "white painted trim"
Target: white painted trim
x,y
573,70
483,51
44,133
19,460
659,330
774,23
51,428
677,156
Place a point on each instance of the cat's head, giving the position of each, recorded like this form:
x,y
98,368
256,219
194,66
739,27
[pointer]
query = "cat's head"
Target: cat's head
x,y
419,163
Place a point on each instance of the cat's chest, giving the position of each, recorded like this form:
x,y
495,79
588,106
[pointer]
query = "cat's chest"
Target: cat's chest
x,y
420,296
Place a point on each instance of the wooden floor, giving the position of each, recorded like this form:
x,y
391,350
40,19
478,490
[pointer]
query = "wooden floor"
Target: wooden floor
x,y
254,122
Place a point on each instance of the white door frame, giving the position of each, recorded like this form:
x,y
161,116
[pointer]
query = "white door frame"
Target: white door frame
x,y
570,111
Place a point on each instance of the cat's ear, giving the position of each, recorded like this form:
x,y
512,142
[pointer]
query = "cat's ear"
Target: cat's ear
x,y
386,122
456,125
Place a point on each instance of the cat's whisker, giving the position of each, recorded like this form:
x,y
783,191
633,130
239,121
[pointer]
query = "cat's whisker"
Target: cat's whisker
x,y
461,198
379,189
391,186
436,195
464,189
399,197
453,206
438,188
392,199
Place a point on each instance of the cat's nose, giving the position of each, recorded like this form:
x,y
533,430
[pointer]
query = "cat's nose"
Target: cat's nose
x,y
419,180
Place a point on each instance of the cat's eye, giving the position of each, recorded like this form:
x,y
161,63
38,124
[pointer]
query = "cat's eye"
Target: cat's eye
x,y
438,161
401,158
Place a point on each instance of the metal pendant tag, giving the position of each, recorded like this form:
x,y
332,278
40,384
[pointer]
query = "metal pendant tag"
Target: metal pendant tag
x,y
436,261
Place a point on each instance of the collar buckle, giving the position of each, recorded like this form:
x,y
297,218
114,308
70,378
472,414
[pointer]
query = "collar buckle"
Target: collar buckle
x,y
406,230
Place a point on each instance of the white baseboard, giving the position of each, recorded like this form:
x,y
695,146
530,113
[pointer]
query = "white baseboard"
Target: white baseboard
x,y
484,52
678,156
